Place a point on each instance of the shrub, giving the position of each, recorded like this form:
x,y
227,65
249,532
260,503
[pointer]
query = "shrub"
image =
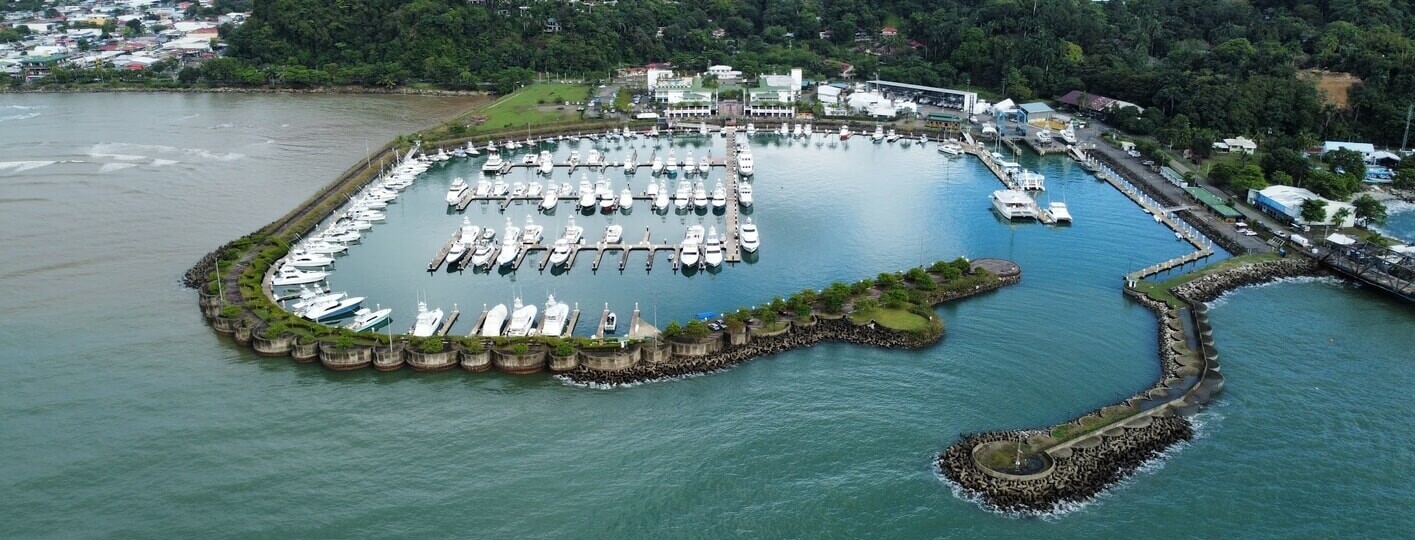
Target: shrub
x,y
474,347
769,318
276,330
564,349
672,330
886,280
866,304
802,310
428,345
520,348
895,297
344,341
230,312
696,329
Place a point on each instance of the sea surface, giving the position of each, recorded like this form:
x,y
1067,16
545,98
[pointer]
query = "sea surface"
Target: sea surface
x,y
124,416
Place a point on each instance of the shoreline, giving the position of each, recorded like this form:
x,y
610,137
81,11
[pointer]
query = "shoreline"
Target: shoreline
x,y
333,90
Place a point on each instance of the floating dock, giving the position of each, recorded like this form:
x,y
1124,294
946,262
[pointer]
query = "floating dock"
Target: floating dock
x,y
436,262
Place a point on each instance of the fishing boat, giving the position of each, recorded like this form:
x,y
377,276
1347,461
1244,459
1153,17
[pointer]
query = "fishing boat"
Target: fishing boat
x,y
784,130
500,188
629,166
712,250
510,245
878,135
546,163
523,317
483,188
493,323
719,195
748,236
798,131
684,195
626,198
613,234
703,129
657,166
700,195
493,164
587,194
892,136
660,200
689,166
671,165
456,191
289,275
481,256
574,160
365,319
472,149
1068,135
751,129
534,189
691,246
560,252
303,259
531,233
556,315
574,234
427,321
704,166
652,190
549,200
518,189
809,131
844,133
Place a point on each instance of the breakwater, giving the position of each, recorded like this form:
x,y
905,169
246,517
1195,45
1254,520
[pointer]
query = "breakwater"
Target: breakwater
x,y
1040,470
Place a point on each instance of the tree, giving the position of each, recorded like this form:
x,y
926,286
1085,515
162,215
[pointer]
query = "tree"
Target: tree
x,y
1369,210
1248,177
1347,162
1340,216
1314,211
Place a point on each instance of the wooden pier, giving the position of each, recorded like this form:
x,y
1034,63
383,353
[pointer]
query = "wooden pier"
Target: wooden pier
x,y
476,327
603,319
732,248
448,322
1203,248
570,324
436,262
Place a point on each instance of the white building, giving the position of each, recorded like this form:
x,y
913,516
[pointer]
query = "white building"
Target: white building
x,y
829,95
1285,202
724,73
684,97
1236,145
1366,149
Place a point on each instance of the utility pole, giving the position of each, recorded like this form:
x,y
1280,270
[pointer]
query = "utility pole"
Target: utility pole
x,y
1406,139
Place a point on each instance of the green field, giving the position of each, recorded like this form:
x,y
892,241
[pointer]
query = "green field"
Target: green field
x,y
896,319
532,106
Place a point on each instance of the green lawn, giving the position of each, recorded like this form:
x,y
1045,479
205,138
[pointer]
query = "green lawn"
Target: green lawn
x,y
1160,291
534,105
896,319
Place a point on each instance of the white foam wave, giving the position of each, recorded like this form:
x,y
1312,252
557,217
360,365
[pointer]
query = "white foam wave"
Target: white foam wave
x,y
23,116
136,152
113,167
22,166
163,162
1328,280
601,386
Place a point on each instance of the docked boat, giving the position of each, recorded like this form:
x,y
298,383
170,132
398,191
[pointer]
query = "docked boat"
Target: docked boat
x,y
289,275
626,198
365,319
495,320
952,149
481,256
809,131
700,195
692,246
456,191
1014,204
556,315
744,194
302,259
671,165
712,249
510,245
748,236
844,133
531,233
611,323
560,252
613,234
313,297
704,166
784,130
549,199
1068,135
574,234
1059,212
719,196
689,166
892,136
684,195
483,188
660,199
523,317
574,160
587,195
518,189
629,166
657,166
546,163
528,159
652,190
751,129
333,310
472,149
427,321
493,164
500,188
1030,181
534,189
878,135
745,166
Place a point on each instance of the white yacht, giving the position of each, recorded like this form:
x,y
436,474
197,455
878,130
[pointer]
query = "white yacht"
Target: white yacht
x,y
719,195
844,133
556,315
472,149
611,321
626,198
1014,204
500,188
366,318
560,252
510,245
784,130
549,199
613,234
700,195
798,131
483,188
456,191
534,189
652,190
427,321
574,234
587,194
744,193
660,199
672,164
1059,212
288,275
481,256
1068,135
748,235
692,242
493,164
523,317
531,233
751,129
657,166
546,163
333,310
1030,181
684,195
809,131
744,163
518,189
302,259
952,149
704,166
689,165
712,250
629,166
574,159
892,136
495,320
878,135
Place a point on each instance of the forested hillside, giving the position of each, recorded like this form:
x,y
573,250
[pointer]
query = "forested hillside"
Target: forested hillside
x,y
1227,66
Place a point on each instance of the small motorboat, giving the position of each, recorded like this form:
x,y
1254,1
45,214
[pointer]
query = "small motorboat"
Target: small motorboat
x,y
611,323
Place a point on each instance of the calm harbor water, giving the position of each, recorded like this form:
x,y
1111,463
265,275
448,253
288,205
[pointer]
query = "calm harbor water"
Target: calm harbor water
x,y
125,416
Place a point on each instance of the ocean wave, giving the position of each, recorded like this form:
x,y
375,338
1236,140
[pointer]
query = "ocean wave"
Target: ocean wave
x,y
22,116
601,386
163,162
22,166
140,151
113,167
1328,280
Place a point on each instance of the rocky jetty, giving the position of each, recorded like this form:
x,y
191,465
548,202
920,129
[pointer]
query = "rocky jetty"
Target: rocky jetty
x,y
1209,287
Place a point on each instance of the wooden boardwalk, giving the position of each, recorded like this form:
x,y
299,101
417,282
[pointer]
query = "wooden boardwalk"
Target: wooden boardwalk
x,y
436,262
732,248
448,322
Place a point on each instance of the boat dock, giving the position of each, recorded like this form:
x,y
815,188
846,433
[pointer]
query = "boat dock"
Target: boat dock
x,y
448,322
476,327
1049,147
732,247
436,262
1203,247
603,319
570,324
983,156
